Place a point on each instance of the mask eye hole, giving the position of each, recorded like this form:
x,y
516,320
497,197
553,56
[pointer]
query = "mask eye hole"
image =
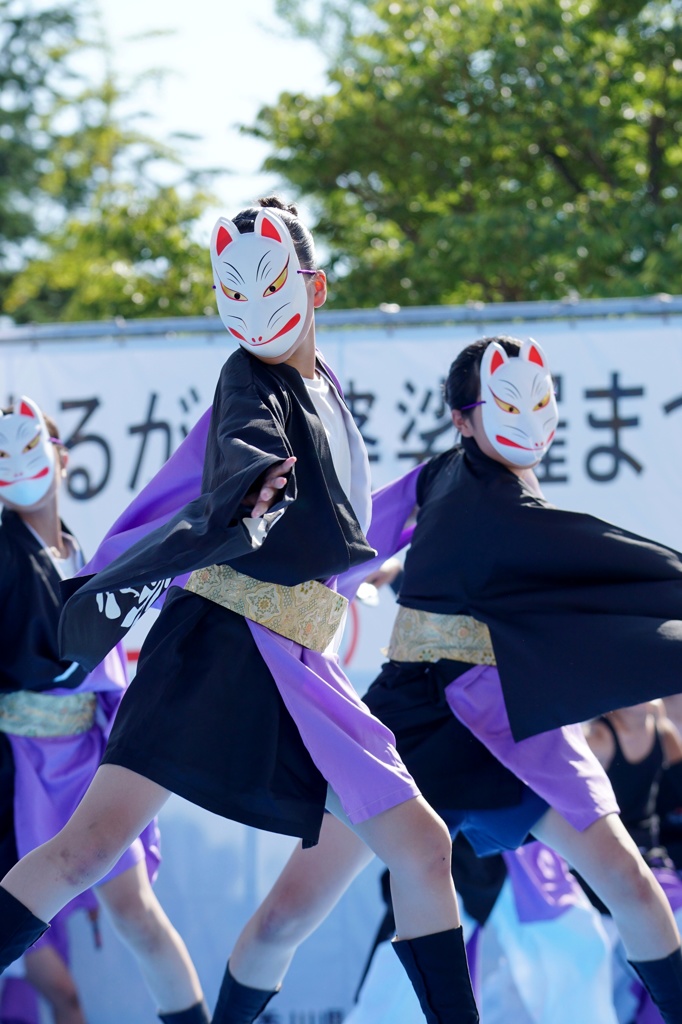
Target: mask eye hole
x,y
543,403
4,455
31,444
505,406
278,283
231,294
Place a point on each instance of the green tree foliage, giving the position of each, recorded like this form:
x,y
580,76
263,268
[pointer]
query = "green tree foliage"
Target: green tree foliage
x,y
35,53
494,150
110,213
128,255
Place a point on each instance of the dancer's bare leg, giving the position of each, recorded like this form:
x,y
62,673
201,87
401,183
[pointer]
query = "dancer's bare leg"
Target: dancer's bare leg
x,y
609,861
141,922
52,979
310,885
411,840
415,845
117,806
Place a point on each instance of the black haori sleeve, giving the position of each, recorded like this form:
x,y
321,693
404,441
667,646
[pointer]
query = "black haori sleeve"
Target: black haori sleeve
x,y
246,437
584,617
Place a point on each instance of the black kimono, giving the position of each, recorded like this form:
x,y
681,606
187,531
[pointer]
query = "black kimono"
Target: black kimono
x,y
30,606
584,617
204,716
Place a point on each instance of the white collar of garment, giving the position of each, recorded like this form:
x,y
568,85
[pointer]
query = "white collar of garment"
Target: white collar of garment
x,y
65,567
360,495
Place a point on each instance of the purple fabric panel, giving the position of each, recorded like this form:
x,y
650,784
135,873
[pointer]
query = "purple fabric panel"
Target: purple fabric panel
x,y
387,534
542,884
351,748
177,483
51,776
18,1002
671,883
647,1012
558,765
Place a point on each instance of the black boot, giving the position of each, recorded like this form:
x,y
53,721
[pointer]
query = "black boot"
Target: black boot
x,y
19,929
239,1004
437,967
663,981
197,1014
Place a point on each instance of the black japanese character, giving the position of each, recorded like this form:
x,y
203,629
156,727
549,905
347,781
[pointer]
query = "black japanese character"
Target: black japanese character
x,y
430,408
144,430
80,483
613,452
360,404
672,405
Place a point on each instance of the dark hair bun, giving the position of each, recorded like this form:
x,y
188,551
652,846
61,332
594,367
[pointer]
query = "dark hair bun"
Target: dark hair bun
x,y
276,203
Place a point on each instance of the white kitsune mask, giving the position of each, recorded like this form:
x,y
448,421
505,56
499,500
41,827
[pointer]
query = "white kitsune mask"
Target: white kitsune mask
x,y
261,294
27,456
519,409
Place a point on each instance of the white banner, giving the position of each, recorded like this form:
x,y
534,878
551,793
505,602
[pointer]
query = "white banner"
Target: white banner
x,y
122,407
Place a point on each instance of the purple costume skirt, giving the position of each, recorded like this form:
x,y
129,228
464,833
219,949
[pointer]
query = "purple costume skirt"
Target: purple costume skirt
x,y
351,748
51,776
557,765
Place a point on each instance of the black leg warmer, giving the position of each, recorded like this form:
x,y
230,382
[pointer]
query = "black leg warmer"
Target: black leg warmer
x,y
239,1004
197,1014
663,981
19,929
437,967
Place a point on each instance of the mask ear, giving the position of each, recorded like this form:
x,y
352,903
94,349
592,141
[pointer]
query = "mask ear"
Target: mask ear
x,y
493,358
224,233
532,353
267,227
26,407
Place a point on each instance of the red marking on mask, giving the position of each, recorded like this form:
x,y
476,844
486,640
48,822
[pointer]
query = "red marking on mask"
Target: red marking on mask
x,y
236,334
268,230
223,239
496,362
37,476
535,357
26,410
513,444
287,327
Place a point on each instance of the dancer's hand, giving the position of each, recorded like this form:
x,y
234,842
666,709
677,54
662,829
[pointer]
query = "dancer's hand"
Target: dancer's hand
x,y
275,480
386,573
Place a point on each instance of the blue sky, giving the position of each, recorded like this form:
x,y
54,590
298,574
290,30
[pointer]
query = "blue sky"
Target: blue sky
x,y
226,58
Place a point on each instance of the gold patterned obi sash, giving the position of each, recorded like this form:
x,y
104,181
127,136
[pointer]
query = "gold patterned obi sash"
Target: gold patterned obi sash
x,y
28,713
430,636
308,613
